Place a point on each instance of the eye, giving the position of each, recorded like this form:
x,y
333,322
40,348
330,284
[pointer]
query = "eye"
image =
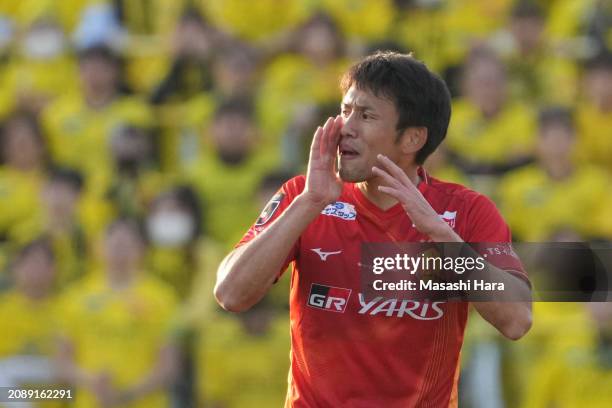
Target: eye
x,y
345,112
365,116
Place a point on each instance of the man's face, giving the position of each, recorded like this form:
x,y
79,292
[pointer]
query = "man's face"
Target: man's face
x,y
233,135
369,129
555,143
485,84
123,248
98,74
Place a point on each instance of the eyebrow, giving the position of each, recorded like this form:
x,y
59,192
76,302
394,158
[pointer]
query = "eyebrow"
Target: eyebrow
x,y
358,107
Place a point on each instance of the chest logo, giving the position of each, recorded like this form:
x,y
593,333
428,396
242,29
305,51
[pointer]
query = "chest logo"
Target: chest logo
x,y
341,210
449,217
328,298
323,255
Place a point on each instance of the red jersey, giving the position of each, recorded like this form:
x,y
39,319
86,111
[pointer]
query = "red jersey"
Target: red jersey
x,y
358,352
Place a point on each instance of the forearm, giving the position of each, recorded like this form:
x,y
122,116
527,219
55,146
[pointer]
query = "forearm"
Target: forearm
x,y
249,271
509,310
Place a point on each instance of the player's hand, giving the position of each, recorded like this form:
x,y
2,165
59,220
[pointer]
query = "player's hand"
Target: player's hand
x,y
323,185
423,216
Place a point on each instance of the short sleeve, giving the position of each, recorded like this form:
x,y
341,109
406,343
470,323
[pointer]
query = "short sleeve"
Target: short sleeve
x,y
273,209
486,226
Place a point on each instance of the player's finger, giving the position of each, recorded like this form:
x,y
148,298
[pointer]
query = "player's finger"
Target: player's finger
x,y
315,146
391,191
399,195
325,137
395,171
386,177
334,139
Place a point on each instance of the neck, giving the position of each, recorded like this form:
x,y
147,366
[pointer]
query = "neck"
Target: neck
x,y
120,278
35,295
369,188
559,170
99,99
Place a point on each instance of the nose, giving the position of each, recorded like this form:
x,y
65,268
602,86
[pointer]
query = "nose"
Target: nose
x,y
348,126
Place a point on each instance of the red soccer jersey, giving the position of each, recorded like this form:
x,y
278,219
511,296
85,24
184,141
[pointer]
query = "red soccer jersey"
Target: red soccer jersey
x,y
374,353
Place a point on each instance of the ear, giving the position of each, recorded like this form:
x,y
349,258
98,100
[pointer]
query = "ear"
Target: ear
x,y
412,139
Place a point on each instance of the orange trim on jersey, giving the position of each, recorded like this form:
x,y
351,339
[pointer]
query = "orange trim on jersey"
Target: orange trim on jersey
x,y
454,397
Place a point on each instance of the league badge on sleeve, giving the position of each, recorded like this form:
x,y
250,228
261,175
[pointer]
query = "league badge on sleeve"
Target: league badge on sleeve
x,y
270,209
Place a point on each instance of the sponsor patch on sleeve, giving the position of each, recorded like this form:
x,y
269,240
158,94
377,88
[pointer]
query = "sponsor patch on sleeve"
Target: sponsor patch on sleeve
x,y
270,209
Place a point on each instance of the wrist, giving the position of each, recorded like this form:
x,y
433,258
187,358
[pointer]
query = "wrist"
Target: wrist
x,y
444,233
311,202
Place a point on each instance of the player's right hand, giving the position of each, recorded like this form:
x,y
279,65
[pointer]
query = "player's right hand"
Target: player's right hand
x,y
323,185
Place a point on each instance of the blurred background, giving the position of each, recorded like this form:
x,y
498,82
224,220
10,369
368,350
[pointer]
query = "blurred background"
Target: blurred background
x,y
140,139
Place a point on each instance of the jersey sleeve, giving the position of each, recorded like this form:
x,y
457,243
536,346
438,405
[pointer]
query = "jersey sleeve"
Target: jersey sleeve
x,y
273,209
490,231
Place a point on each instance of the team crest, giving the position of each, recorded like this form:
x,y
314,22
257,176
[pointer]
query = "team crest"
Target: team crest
x,y
449,217
270,209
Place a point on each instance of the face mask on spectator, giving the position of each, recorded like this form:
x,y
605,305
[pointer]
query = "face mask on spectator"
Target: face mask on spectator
x,y
170,228
43,43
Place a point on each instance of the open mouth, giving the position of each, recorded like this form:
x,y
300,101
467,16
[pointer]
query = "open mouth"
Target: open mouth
x,y
347,152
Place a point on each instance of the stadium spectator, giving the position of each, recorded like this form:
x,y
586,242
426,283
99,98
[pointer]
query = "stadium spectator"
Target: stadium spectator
x,y
261,334
116,344
135,178
80,126
36,74
59,220
575,370
235,72
305,79
174,228
29,318
594,113
190,71
537,72
24,162
554,194
230,159
489,134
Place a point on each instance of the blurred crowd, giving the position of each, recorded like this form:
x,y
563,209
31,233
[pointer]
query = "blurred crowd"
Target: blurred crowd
x,y
140,139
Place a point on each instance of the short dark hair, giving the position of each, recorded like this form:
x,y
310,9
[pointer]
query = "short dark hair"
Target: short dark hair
x,y
559,115
188,199
527,9
101,51
235,106
600,61
420,96
66,175
32,122
41,243
132,223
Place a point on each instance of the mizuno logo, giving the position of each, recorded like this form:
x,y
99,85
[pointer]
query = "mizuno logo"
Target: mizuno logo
x,y
323,255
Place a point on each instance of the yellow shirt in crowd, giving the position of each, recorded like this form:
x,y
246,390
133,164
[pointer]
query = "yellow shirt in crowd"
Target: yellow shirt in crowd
x,y
228,194
19,196
25,79
594,141
291,82
508,135
566,369
29,326
79,136
228,377
118,332
253,20
536,206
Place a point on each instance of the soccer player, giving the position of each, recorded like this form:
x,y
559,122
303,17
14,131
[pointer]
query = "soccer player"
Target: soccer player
x,y
394,113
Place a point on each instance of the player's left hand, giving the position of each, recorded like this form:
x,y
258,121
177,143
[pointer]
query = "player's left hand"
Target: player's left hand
x,y
400,187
